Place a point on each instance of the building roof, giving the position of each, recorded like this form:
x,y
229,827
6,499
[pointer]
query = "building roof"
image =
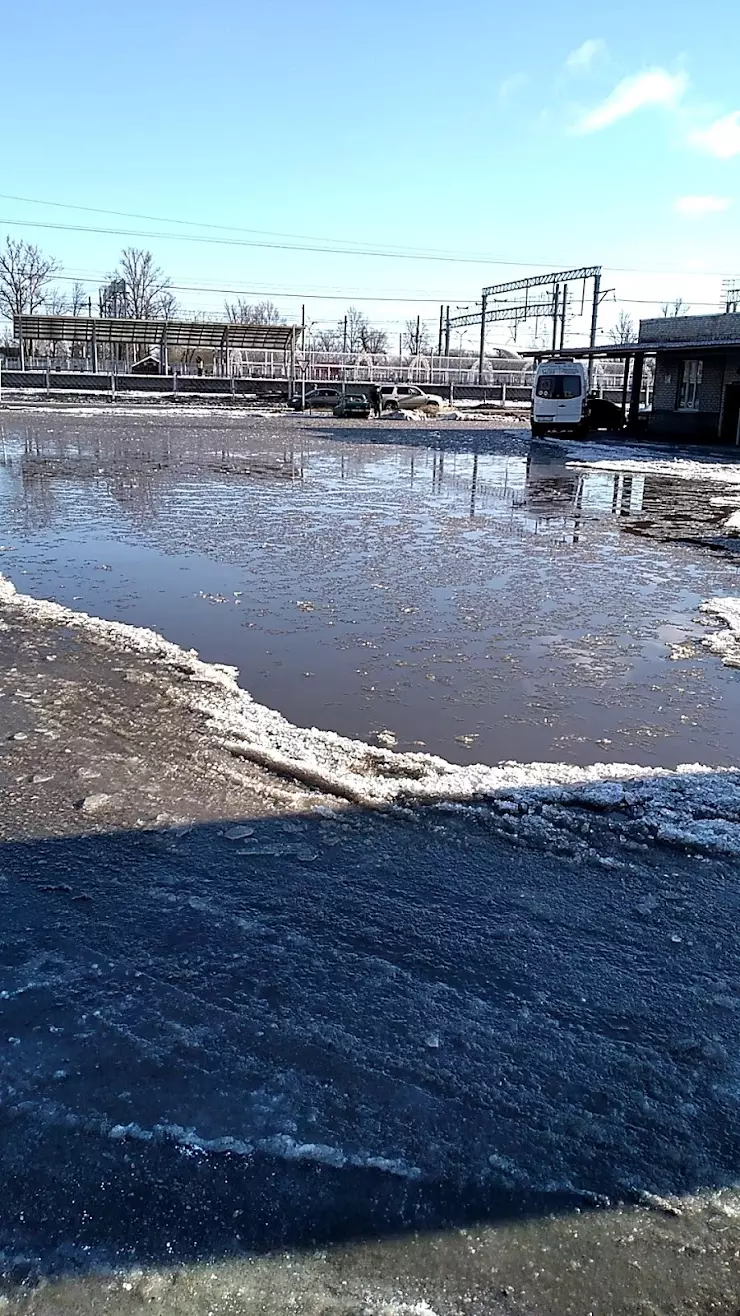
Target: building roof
x,y
668,333
176,333
616,351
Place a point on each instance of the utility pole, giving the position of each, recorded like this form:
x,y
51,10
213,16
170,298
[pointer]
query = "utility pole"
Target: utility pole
x,y
303,325
594,323
441,329
562,315
482,347
418,335
344,338
556,304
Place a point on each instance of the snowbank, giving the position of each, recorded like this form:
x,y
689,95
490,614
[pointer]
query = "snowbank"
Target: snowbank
x,y
725,643
546,803
645,460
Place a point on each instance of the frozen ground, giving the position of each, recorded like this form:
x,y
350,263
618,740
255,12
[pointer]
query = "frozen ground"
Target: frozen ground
x,y
267,1050
452,589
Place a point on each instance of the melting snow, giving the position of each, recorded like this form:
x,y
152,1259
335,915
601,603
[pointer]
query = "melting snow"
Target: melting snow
x,y
692,805
725,643
645,460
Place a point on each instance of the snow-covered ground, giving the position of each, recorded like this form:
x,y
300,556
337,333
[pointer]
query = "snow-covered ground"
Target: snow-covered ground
x,y
644,459
696,805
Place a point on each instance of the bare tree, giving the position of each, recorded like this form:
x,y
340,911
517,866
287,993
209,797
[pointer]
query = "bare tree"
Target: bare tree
x,y
168,305
374,340
78,300
416,339
56,302
675,308
25,278
327,340
357,334
624,329
147,292
241,312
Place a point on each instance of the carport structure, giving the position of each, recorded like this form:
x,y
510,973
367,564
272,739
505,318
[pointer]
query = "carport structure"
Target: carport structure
x,y
696,390
218,336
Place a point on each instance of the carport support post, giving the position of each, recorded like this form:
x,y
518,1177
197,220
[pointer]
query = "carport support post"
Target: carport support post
x,y
594,325
634,412
291,366
482,348
625,385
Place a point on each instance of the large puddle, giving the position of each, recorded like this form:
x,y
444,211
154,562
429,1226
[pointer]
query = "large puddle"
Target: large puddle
x,y
464,591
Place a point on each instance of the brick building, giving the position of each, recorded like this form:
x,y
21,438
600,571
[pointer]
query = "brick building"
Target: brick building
x,y
696,393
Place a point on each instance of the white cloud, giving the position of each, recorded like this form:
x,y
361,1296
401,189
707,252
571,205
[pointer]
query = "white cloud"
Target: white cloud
x,y
721,138
696,206
654,87
583,56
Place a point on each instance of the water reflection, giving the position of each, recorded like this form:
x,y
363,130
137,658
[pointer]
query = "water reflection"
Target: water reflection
x,y
471,592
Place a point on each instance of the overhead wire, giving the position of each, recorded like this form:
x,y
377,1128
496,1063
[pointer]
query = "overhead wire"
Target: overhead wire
x,y
302,243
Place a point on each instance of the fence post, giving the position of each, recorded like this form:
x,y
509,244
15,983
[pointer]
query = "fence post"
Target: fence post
x,y
503,393
174,381
112,386
48,385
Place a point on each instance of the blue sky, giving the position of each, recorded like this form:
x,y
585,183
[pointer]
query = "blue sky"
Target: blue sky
x,y
535,136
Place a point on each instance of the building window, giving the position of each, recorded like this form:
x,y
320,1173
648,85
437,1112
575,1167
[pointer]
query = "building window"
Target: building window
x,y
691,377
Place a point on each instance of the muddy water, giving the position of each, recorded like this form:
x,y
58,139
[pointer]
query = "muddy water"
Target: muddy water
x,y
466,592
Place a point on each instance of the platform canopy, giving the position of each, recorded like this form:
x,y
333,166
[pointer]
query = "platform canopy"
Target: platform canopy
x,y
175,333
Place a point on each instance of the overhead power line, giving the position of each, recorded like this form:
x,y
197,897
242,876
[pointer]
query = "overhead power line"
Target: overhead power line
x,y
299,242
323,248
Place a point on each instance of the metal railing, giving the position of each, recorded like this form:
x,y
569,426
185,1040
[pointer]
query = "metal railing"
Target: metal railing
x,y
321,367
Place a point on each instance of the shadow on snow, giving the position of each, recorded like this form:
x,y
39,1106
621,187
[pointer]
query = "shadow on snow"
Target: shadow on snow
x,y
350,1026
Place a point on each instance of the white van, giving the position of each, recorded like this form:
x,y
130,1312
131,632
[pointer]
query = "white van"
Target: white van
x,y
560,397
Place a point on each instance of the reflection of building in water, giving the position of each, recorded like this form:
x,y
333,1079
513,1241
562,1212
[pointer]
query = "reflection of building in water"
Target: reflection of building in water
x,y
557,490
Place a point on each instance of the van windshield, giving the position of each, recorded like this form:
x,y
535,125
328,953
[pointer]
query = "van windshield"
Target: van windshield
x,y
559,386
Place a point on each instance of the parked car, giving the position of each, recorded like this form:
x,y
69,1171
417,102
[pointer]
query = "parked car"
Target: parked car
x,y
353,404
406,396
326,396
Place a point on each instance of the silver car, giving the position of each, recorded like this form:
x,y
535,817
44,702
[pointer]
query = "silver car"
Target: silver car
x,y
407,397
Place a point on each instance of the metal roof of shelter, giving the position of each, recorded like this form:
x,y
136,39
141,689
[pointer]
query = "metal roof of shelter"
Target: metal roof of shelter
x,y
175,333
617,350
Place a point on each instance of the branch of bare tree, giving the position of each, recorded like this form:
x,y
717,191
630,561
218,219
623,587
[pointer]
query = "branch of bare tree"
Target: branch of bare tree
x,y
25,278
241,312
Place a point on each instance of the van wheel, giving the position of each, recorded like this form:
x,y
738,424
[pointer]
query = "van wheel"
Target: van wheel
x,y
537,430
